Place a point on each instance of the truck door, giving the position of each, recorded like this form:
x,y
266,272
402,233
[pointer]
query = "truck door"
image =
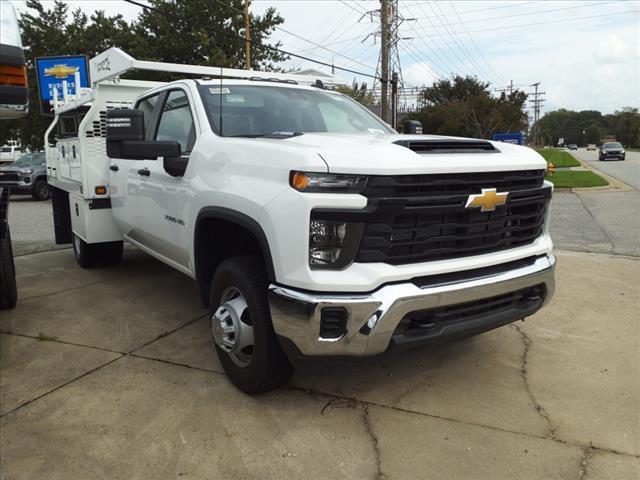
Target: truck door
x,y
163,197
126,182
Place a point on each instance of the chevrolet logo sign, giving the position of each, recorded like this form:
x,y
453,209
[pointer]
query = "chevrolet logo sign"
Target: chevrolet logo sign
x,y
60,71
488,200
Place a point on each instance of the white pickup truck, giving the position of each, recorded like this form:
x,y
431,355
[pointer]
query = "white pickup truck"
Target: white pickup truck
x,y
311,228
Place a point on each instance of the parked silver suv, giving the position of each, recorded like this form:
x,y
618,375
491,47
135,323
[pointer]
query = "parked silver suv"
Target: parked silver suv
x,y
27,175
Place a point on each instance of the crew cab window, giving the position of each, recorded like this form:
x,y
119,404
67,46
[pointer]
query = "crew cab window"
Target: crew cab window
x,y
176,121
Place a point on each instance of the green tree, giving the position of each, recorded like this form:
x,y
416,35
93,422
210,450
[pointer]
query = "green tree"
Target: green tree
x,y
590,126
48,32
201,32
464,106
205,32
357,92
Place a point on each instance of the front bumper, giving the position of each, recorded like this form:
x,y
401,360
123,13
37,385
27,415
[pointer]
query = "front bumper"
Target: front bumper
x,y
17,186
372,320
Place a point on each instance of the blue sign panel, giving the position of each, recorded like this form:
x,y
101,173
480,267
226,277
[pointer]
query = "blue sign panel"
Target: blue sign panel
x,y
52,71
516,138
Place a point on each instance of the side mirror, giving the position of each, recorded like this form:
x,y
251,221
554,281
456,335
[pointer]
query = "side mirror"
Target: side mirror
x,y
412,126
125,137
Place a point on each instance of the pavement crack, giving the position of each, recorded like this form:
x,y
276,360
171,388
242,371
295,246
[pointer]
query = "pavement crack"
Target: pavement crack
x,y
374,440
167,333
606,234
587,454
524,373
89,372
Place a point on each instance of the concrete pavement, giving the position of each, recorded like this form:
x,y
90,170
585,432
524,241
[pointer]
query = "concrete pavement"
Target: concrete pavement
x,y
109,373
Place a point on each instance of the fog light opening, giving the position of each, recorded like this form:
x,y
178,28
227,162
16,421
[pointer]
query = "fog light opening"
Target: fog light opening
x,y
333,322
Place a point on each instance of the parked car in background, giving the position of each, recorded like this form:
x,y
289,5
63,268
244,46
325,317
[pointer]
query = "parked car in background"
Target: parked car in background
x,y
573,146
27,175
9,153
592,146
611,150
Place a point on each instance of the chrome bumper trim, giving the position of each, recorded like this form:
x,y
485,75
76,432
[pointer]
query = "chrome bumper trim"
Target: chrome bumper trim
x,y
373,317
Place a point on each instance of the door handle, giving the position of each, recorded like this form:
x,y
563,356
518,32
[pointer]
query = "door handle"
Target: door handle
x,y
144,171
113,168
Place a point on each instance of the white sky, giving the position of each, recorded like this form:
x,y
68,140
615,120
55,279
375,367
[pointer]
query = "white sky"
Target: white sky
x,y
585,53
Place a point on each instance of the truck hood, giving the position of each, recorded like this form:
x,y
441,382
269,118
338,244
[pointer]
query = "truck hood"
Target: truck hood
x,y
377,154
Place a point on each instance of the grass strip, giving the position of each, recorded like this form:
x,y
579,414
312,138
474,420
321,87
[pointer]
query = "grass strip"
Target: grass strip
x,y
559,158
576,179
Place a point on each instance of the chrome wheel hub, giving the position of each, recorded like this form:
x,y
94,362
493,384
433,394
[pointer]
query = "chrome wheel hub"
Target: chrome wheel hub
x,y
232,327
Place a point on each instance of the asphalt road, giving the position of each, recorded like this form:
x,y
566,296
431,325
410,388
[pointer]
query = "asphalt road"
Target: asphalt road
x,y
627,171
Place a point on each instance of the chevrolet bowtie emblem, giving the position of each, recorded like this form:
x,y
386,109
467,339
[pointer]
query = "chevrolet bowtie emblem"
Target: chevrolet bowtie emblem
x,y
488,200
60,71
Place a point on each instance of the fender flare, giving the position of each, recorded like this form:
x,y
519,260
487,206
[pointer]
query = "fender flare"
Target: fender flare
x,y
242,220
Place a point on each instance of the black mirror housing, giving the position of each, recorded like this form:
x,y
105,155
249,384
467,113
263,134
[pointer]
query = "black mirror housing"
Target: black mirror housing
x,y
412,126
125,124
125,137
143,149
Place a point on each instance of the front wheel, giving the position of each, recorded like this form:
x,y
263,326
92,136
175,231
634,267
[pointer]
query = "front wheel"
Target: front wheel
x,y
41,190
89,255
241,327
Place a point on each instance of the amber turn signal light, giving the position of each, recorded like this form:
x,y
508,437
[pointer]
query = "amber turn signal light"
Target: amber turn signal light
x,y
101,190
13,75
299,181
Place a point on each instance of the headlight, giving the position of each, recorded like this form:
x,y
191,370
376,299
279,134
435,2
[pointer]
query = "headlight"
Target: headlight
x,y
333,244
326,182
27,171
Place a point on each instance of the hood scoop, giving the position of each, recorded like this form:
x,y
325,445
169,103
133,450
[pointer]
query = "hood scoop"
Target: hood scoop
x,y
448,146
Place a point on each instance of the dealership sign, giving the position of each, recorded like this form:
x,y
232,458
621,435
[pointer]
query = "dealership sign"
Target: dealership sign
x,y
54,72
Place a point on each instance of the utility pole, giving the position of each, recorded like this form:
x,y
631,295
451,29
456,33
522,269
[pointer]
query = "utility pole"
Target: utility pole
x,y
537,102
394,100
247,35
384,58
508,88
390,20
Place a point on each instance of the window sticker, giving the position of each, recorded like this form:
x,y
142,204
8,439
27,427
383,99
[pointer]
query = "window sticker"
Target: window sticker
x,y
235,98
218,91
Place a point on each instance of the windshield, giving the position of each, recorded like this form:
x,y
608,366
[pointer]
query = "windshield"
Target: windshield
x,y
612,145
258,110
29,159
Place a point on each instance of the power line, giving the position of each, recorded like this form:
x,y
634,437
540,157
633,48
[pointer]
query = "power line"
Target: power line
x,y
544,23
463,47
303,39
445,61
539,12
501,7
260,45
444,37
474,43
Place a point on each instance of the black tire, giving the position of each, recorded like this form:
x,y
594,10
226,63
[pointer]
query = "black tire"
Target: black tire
x,y
8,289
268,367
41,190
90,255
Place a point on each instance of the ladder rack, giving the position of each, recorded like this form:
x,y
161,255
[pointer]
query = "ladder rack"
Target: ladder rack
x,y
114,62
